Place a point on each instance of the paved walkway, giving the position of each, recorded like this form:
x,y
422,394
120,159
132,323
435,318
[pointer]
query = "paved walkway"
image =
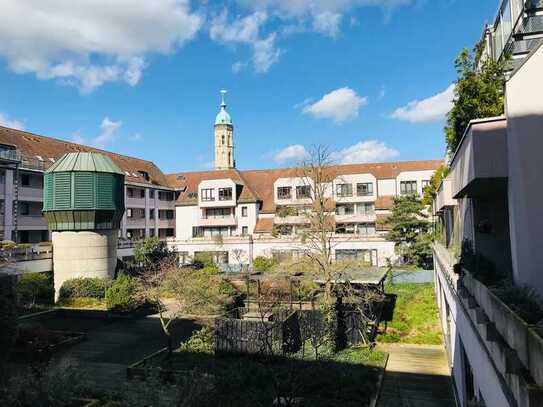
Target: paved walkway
x,y
416,375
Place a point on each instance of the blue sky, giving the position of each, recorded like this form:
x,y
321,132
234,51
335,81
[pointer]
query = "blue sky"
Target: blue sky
x,y
369,78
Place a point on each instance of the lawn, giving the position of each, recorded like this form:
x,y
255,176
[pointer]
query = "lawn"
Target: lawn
x,y
415,317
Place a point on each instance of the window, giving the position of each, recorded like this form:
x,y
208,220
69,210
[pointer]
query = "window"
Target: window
x,y
151,213
285,230
244,230
365,208
367,256
344,210
25,180
303,192
197,231
284,192
424,184
144,174
344,190
345,228
244,211
135,193
225,194
135,213
165,214
24,208
408,187
217,213
152,194
366,229
207,194
223,139
364,189
166,195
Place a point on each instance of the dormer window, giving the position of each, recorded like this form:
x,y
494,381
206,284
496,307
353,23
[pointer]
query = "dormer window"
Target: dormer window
x,y
207,194
144,174
284,192
225,194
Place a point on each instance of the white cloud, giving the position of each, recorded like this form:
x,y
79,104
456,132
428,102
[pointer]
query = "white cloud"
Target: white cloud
x,y
11,123
324,16
365,152
135,137
428,110
295,152
89,43
340,105
238,66
108,134
246,30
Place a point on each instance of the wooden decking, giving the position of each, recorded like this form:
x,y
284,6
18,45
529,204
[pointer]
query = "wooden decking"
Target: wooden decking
x,y
416,376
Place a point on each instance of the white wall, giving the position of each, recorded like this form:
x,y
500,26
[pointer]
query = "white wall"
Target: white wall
x,y
386,187
185,218
524,110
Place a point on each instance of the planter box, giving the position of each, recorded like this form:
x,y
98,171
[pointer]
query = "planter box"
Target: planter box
x,y
510,326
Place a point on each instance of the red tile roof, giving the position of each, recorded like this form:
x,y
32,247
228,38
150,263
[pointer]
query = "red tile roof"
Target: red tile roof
x,y
33,147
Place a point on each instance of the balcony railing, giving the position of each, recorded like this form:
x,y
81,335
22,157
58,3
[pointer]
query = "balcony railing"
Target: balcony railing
x,y
226,221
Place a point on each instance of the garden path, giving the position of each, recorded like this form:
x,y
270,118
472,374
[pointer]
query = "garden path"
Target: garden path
x,y
416,375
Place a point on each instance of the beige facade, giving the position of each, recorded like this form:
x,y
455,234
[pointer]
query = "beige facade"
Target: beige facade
x,y
83,254
224,146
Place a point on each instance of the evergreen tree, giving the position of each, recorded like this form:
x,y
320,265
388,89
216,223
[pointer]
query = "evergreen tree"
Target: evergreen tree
x,y
409,229
479,93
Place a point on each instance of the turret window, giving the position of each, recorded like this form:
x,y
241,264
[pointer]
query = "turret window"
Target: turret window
x,y
223,140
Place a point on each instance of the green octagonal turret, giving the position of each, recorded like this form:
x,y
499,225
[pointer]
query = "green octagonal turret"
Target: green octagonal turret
x,y
83,191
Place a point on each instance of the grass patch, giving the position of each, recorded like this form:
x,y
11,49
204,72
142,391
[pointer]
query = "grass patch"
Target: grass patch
x,y
84,302
415,317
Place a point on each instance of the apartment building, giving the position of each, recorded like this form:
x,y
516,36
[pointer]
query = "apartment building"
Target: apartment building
x,y
490,213
150,201
517,29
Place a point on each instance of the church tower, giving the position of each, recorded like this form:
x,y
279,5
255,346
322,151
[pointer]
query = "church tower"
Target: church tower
x,y
224,138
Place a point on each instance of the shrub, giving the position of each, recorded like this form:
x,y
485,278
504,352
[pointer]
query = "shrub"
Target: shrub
x,y
262,263
35,288
84,287
122,295
7,244
210,269
200,341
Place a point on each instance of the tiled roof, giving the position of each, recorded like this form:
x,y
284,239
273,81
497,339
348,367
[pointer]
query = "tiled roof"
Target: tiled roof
x,y
258,184
47,150
264,225
384,202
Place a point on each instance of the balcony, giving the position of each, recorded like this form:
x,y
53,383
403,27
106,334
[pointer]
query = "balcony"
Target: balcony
x,y
356,218
166,223
291,220
515,347
135,223
135,202
32,222
31,194
479,166
226,221
444,197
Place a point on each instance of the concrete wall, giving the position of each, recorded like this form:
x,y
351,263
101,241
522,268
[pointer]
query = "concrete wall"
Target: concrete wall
x,y
84,254
524,109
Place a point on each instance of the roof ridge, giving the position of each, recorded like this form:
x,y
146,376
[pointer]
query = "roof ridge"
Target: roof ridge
x,y
75,144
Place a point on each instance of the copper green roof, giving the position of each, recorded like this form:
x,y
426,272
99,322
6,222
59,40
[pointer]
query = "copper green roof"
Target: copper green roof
x,y
223,117
84,161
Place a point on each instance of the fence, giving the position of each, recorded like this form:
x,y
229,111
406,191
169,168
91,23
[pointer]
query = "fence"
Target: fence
x,y
281,335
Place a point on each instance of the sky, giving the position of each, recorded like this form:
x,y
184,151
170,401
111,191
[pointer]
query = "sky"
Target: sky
x,y
370,79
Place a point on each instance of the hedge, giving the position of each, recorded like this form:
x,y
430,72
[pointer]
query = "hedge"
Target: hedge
x,y
35,288
84,287
122,295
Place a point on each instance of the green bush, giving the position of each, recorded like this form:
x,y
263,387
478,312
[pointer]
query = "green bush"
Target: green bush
x,y
211,269
200,341
35,288
84,287
122,295
262,263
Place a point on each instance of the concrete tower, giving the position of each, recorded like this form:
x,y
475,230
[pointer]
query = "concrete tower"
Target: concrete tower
x,y
224,138
83,202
